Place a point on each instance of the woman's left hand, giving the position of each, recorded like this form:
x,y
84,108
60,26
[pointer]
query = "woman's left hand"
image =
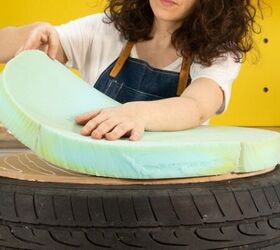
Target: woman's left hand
x,y
128,119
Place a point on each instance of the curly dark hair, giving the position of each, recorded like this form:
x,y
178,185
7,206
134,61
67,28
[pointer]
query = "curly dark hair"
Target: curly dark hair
x,y
213,28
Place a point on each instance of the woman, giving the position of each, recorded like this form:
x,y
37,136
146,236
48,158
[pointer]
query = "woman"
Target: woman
x,y
170,62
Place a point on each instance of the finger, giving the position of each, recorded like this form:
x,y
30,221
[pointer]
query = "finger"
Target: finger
x,y
84,118
53,45
44,38
119,131
19,50
104,128
136,134
33,42
93,124
44,48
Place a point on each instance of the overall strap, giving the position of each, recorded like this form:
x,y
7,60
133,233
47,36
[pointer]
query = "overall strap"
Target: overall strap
x,y
184,73
122,59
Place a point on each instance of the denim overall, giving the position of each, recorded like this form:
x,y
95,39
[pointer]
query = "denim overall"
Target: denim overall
x,y
128,79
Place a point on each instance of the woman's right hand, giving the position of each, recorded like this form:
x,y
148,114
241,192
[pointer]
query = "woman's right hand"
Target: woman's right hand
x,y
42,36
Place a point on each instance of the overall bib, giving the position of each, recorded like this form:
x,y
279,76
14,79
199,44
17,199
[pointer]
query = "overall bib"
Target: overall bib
x,y
128,79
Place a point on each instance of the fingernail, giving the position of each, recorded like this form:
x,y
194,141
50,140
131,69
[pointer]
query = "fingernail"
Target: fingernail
x,y
96,136
84,131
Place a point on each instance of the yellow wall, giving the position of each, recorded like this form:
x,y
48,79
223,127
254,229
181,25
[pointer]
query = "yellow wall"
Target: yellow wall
x,y
250,105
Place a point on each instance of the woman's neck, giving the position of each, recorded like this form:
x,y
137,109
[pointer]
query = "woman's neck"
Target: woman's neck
x,y
162,32
159,51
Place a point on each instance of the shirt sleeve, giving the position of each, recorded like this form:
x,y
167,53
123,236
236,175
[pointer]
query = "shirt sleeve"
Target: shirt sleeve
x,y
76,38
223,71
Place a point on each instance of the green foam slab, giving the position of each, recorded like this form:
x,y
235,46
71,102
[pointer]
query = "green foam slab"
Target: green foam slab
x,y
39,99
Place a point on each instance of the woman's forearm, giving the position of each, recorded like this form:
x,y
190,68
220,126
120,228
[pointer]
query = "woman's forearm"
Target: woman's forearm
x,y
178,113
197,104
8,43
11,39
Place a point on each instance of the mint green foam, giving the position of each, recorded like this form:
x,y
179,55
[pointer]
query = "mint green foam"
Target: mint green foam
x,y
39,99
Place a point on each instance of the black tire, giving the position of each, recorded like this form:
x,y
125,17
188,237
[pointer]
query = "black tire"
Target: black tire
x,y
237,214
